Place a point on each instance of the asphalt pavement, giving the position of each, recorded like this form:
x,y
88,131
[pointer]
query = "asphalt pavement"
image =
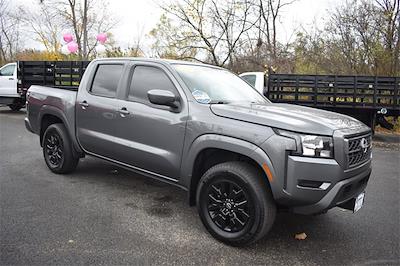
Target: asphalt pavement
x,y
102,214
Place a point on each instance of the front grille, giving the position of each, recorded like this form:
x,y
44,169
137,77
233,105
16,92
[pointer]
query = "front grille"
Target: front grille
x,y
359,149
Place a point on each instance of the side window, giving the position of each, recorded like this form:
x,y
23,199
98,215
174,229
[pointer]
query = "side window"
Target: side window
x,y
106,79
7,71
251,79
147,78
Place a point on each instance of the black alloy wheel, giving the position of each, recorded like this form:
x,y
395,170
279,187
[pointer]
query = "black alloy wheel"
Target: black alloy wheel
x,y
54,149
58,151
235,203
229,205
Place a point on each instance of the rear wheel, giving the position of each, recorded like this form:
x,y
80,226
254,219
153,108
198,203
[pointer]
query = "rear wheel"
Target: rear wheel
x,y
235,203
57,150
15,107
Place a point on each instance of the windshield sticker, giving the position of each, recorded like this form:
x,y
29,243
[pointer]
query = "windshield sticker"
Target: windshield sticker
x,y
201,96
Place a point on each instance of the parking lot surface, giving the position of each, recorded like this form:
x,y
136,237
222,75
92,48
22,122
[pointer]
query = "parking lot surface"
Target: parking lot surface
x,y
102,214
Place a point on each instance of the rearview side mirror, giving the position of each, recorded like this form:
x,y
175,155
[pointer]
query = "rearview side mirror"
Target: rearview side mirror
x,y
163,97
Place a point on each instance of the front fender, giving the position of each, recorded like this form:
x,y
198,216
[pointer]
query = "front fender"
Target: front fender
x,y
229,144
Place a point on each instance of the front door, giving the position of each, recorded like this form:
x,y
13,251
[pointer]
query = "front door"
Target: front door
x,y
8,80
151,136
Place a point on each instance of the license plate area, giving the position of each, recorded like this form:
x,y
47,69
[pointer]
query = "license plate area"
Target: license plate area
x,y
354,204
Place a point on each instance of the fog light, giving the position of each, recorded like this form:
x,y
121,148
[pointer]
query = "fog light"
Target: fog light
x,y
313,184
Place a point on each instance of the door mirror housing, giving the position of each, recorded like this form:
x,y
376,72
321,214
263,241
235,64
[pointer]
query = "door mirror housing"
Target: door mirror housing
x,y
163,97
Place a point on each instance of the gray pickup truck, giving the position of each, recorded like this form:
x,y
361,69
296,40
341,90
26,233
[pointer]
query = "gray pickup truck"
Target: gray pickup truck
x,y
240,157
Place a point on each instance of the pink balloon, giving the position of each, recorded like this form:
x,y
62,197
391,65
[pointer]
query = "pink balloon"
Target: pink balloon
x,y
68,37
102,38
72,47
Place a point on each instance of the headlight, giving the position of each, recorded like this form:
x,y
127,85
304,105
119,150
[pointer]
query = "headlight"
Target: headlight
x,y
310,145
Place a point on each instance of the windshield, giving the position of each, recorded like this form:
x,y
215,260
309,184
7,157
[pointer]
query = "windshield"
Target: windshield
x,y
212,85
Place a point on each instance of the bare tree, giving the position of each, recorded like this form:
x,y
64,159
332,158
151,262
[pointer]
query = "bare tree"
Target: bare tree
x,y
212,28
390,10
168,41
86,19
46,27
367,32
361,37
268,27
261,49
10,37
136,48
234,21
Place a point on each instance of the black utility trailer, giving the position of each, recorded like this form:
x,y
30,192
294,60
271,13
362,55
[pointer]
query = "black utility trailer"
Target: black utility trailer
x,y
61,74
367,98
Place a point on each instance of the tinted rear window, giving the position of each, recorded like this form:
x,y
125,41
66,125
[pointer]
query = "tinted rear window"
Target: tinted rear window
x,y
106,80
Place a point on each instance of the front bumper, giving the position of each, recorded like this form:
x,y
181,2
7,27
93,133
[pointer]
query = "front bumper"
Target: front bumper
x,y
314,185
341,192
309,185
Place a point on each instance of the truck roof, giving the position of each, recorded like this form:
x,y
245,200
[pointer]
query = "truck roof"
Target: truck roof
x,y
157,60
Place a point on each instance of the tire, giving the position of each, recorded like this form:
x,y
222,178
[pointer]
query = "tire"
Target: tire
x,y
57,150
321,213
227,217
15,107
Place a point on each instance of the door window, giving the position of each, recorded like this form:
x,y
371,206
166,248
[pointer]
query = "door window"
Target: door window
x,y
106,79
7,71
147,78
251,79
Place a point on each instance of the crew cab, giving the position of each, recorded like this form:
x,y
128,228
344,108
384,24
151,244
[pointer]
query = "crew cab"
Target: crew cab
x,y
240,157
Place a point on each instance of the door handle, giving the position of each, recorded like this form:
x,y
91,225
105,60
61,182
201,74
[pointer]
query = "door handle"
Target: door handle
x,y
123,112
84,105
10,78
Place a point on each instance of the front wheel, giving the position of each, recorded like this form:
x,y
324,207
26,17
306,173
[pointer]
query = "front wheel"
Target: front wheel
x,y
57,150
235,203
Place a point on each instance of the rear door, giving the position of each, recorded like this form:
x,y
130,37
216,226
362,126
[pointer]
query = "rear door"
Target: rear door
x,y
151,137
8,80
97,110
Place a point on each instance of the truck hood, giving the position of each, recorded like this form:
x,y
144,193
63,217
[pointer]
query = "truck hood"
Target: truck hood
x,y
289,117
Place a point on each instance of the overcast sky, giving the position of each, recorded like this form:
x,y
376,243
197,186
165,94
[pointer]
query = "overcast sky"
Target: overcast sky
x,y
136,16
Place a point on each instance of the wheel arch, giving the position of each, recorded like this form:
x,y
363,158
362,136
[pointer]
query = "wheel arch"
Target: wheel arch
x,y
209,150
50,115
